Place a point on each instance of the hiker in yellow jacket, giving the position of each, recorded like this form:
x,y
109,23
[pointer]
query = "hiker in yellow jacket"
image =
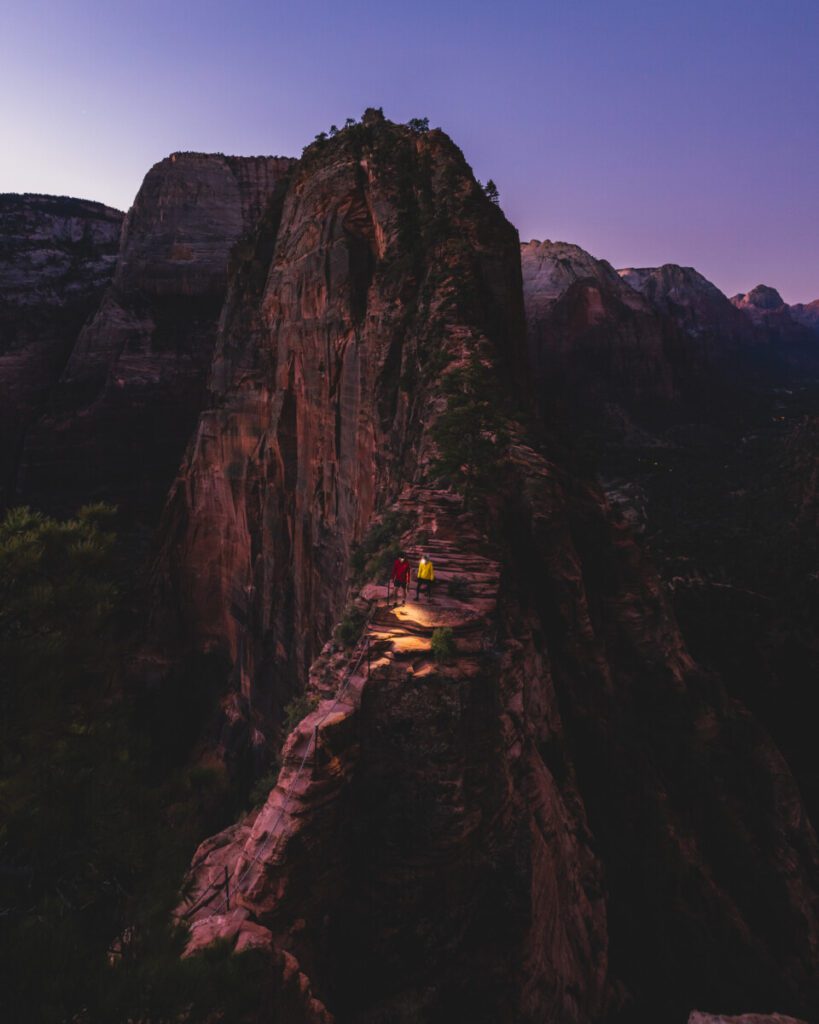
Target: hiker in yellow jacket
x,y
425,576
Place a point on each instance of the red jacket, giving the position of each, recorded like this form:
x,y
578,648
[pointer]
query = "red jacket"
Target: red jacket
x,y
400,571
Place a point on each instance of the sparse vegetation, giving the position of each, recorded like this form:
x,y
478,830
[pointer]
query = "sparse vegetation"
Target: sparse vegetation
x,y
349,629
470,433
420,125
443,645
373,557
298,708
261,788
491,192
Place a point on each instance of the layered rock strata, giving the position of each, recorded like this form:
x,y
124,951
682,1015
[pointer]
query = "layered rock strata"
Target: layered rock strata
x,y
57,256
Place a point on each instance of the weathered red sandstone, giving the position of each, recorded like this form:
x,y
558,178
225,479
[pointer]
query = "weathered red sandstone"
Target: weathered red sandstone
x,y
569,819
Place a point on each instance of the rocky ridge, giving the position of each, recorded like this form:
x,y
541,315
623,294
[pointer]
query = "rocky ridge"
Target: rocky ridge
x,y
594,800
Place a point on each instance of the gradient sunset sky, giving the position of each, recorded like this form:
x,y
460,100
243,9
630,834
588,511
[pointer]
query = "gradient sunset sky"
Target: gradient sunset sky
x,y
647,132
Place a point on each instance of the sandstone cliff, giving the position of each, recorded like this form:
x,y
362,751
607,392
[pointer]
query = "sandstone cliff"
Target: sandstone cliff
x,y
332,336
133,386
564,818
57,256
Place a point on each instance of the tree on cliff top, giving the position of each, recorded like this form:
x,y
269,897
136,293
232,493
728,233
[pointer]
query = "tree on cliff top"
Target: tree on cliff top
x,y
491,191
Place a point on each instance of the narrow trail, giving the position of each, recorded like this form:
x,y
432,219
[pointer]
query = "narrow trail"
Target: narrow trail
x,y
232,872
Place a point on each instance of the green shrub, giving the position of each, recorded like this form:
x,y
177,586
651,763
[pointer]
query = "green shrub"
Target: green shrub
x,y
471,433
349,629
443,644
298,708
261,788
373,557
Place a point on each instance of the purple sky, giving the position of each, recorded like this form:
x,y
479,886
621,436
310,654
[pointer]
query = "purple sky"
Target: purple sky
x,y
645,131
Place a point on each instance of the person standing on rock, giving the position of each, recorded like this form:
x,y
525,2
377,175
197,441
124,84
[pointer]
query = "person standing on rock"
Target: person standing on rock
x,y
424,577
400,576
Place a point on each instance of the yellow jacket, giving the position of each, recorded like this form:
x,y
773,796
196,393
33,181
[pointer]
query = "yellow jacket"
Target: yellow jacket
x,y
425,571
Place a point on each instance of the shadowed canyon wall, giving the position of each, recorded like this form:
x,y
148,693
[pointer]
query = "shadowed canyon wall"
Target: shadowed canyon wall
x,y
57,256
128,397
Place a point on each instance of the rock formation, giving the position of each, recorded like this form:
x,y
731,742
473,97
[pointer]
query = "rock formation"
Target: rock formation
x,y
133,386
563,817
331,335
520,800
790,329
595,343
57,256
702,311
807,314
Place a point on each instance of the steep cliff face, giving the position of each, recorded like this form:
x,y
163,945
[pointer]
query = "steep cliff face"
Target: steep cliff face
x,y
335,327
129,395
560,818
57,256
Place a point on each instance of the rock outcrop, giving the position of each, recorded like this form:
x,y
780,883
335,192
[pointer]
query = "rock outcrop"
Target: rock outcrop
x,y
791,330
807,314
595,343
57,256
698,307
332,333
417,859
552,814
129,395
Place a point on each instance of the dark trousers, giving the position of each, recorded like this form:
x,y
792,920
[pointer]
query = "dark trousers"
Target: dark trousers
x,y
398,586
423,583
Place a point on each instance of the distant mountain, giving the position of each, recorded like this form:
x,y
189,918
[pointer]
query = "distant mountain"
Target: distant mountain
x,y
796,327
653,344
592,338
807,314
695,304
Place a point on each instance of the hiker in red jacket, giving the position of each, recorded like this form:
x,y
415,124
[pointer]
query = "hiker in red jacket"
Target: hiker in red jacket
x,y
400,576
